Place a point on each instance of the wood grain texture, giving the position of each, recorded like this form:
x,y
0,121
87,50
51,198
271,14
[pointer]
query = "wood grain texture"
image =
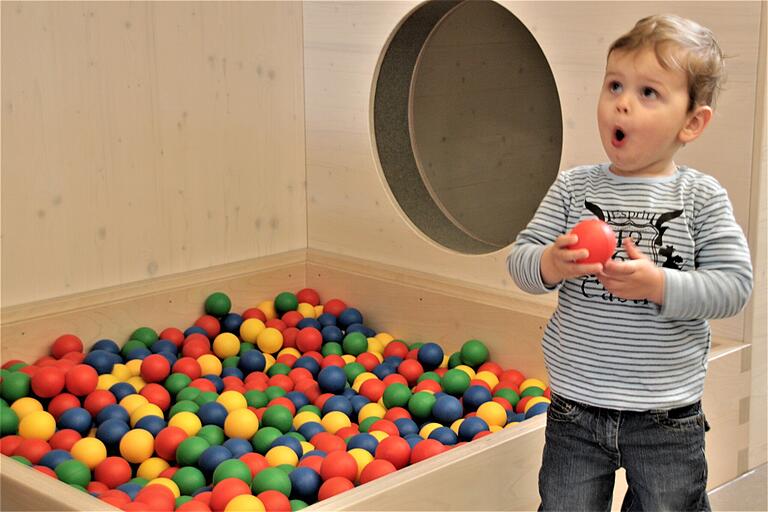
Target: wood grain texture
x,y
143,139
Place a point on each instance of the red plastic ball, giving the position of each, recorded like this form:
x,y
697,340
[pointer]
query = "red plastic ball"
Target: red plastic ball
x,y
255,462
368,360
339,463
47,471
97,400
395,449
520,406
292,318
597,237
32,449
47,382
61,403
172,334
81,380
203,385
287,359
309,339
310,388
64,439
92,487
65,344
75,357
167,440
157,497
411,369
156,394
490,366
513,377
396,348
395,378
274,501
281,381
397,413
276,323
334,486
168,472
373,389
188,366
428,385
254,313
155,368
347,432
196,345
327,442
426,449
209,324
194,505
299,374
384,426
376,469
112,472
203,497
225,490
9,443
285,402
115,498
332,360
314,462
334,307
289,337
308,295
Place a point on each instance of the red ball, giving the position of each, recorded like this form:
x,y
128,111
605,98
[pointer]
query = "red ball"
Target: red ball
x,y
64,439
81,379
520,406
394,449
289,337
203,497
157,497
274,501
299,374
346,432
155,394
334,486
428,385
155,368
426,449
196,345
309,339
188,366
384,426
255,462
167,440
393,378
368,360
310,296
12,362
210,325
314,462
291,318
47,382
97,400
285,402
61,403
310,388
48,471
339,463
75,357
490,366
32,449
112,472
372,389
92,487
320,400
168,472
276,323
411,369
397,413
332,360
31,369
513,377
287,359
194,505
504,402
65,344
115,498
8,444
254,313
283,382
396,348
225,490
597,237
172,334
376,469
334,307
203,385
327,442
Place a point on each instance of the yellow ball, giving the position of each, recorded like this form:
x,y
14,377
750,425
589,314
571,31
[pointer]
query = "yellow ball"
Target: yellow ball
x,y
226,345
232,400
306,310
318,310
137,445
536,400
495,428
527,383
186,421
37,425
121,372
26,405
444,364
362,457
376,347
245,503
306,446
348,358
384,338
152,467
250,329
134,366
493,413
148,409
380,435
511,424
167,482
90,451
489,378
106,381
371,410
335,421
269,361
209,364
428,428
132,402
279,455
456,424
362,378
137,382
291,351
241,423
270,340
268,308
305,417
466,369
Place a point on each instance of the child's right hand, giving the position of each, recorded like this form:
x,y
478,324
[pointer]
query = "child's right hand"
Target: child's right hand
x,y
558,262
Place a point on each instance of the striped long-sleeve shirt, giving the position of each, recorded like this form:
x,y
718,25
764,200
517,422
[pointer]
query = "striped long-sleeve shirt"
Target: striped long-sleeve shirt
x,y
633,354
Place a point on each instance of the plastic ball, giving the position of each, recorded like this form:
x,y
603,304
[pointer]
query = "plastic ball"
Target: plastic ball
x,y
279,455
355,343
474,353
151,468
137,445
274,479
188,479
226,345
430,355
65,344
269,340
186,421
212,457
15,385
396,395
332,379
217,304
475,396
24,406
47,382
536,408
90,451
335,420
241,423
155,497
305,482
73,472
492,413
333,486
597,237
339,463
395,449
155,368
81,379
447,409
376,469
38,425
445,435
32,450
232,401
286,301
189,450
244,503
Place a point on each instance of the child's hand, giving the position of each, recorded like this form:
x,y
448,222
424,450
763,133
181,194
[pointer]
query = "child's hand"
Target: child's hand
x,y
558,262
635,279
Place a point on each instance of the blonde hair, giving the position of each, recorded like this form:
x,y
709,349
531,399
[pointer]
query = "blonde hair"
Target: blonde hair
x,y
683,44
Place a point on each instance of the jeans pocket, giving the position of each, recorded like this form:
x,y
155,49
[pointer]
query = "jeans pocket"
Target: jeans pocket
x,y
562,409
686,418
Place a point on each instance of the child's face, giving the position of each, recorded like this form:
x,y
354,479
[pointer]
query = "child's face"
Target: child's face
x,y
641,112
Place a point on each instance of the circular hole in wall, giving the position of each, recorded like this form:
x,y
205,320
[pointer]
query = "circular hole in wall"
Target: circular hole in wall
x,y
467,123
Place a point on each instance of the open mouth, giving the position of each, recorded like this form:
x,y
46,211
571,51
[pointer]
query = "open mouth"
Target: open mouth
x,y
619,137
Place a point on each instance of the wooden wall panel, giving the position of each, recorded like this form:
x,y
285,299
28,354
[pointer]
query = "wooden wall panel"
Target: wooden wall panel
x,y
142,139
350,208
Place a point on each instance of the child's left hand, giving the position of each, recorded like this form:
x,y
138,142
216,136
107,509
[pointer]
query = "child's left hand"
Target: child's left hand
x,y
635,279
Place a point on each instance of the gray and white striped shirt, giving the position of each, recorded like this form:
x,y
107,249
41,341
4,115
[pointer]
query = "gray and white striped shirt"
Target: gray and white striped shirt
x,y
634,354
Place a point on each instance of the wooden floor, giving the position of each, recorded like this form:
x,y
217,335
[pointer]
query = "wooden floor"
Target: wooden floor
x,y
749,492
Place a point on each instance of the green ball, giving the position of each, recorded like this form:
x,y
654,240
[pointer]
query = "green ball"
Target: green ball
x,y
278,416
183,406
189,479
217,304
9,421
416,345
298,505
245,347
278,369
22,459
300,438
214,434
332,348
262,440
355,343
455,382
130,346
311,408
273,392
232,468
508,394
188,393
396,395
421,403
474,353
189,450
230,362
287,468
176,382
17,366
139,480
205,397
285,302
352,370
181,500
365,425
146,335
15,386
73,472
532,391
256,398
431,376
455,360
271,479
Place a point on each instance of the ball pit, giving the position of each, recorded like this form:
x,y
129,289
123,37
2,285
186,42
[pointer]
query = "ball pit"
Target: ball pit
x,y
286,404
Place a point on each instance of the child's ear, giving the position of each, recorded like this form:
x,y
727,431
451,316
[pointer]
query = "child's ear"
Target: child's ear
x,y
695,123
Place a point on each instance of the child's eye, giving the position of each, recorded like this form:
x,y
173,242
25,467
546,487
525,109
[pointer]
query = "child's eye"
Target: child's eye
x,y
614,86
650,93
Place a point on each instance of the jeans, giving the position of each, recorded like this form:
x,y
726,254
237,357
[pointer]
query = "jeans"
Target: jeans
x,y
662,452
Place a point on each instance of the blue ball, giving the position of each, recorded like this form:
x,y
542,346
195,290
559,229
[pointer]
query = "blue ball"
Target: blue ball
x,y
332,333
305,483
365,441
430,355
113,412
338,403
130,488
536,409
108,345
231,323
471,426
231,371
54,457
445,435
252,361
332,379
308,322
122,390
310,429
447,409
413,439
138,353
348,317
289,441
512,416
195,330
238,447
212,413
152,424
111,431
393,360
170,357
348,393
310,453
358,401
165,346
297,398
212,457
216,382
474,397
406,426
326,319
309,364
77,419
383,369
101,361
